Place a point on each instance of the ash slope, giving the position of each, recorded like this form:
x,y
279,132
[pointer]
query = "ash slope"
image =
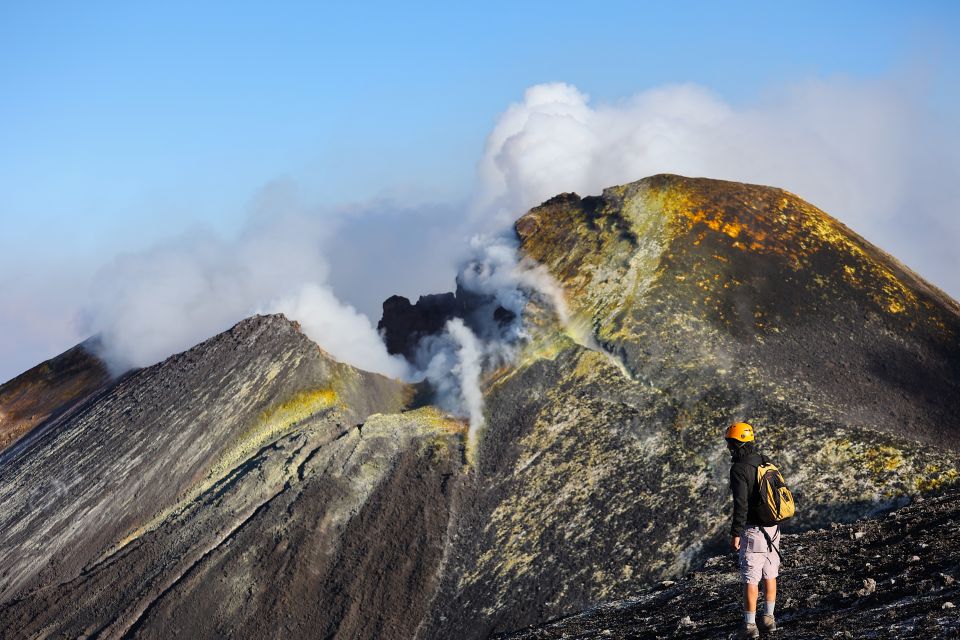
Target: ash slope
x,y
760,285
890,577
228,491
602,469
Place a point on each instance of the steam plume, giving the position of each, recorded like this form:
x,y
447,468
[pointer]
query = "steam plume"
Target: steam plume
x,y
468,371
322,316
151,304
868,152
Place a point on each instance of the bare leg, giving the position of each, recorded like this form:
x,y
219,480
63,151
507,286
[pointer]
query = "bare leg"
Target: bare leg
x,y
769,589
750,592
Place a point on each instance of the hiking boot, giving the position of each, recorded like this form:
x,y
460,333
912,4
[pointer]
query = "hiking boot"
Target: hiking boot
x,y
748,631
769,623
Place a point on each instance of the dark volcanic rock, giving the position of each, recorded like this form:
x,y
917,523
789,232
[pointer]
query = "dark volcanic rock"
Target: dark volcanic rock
x,y
821,591
324,532
403,325
87,484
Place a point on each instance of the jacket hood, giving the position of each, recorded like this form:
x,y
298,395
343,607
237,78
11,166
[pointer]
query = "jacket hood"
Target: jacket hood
x,y
744,451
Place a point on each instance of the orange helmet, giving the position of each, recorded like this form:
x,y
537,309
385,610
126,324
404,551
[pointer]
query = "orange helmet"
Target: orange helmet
x,y
740,431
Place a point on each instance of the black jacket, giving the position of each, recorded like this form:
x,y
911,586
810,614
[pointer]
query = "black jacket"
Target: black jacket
x,y
743,484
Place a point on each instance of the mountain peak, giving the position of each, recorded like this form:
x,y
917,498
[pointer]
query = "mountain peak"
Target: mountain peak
x,y
761,280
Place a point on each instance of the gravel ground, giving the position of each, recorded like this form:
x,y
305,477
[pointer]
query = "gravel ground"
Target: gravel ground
x,y
894,576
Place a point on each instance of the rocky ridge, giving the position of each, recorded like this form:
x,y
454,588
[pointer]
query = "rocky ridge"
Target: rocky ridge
x,y
49,389
222,489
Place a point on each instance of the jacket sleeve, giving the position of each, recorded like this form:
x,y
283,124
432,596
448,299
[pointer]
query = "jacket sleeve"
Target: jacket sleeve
x,y
740,487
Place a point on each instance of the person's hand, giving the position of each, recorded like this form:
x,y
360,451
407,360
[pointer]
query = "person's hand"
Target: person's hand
x,y
735,543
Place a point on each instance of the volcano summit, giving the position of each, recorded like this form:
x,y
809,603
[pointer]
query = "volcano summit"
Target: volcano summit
x,y
253,486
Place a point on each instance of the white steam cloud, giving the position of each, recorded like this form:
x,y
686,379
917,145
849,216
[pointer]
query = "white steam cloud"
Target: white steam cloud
x,y
869,153
346,333
454,361
468,370
151,304
858,151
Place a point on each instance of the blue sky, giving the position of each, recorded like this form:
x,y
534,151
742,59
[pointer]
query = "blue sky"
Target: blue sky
x,y
122,123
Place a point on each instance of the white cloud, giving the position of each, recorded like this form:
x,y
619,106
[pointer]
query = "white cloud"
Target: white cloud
x,y
868,153
150,304
342,330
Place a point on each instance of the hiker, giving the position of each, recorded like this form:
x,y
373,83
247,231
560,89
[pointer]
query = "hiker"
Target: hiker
x,y
758,545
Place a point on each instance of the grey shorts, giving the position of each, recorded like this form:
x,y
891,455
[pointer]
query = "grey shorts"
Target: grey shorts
x,y
757,560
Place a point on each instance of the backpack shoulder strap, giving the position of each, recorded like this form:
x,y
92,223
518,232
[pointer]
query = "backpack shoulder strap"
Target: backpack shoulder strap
x,y
770,544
